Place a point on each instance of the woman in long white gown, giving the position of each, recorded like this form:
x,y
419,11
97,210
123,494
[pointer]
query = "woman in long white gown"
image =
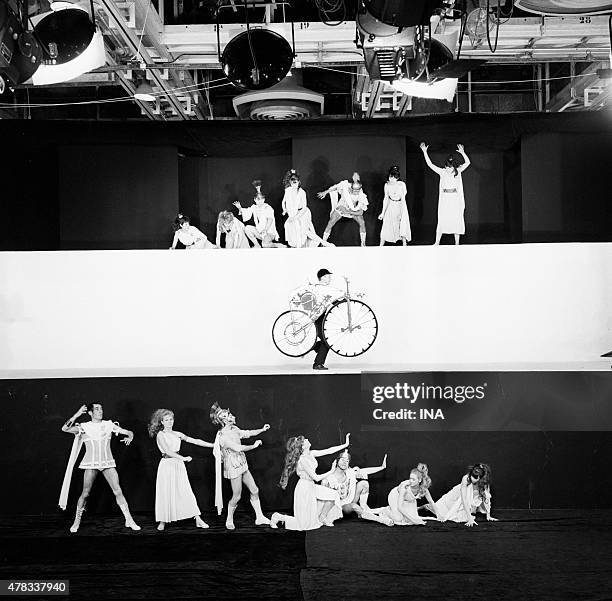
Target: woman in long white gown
x,y
394,214
174,498
472,495
451,201
299,230
311,501
402,499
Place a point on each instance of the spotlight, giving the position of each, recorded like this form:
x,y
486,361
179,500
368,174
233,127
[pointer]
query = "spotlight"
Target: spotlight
x,y
72,45
402,13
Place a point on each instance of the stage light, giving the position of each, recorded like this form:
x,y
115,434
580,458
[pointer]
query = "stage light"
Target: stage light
x,y
71,44
443,89
402,13
257,59
144,90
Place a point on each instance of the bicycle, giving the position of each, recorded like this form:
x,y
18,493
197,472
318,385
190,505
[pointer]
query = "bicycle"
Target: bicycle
x,y
349,325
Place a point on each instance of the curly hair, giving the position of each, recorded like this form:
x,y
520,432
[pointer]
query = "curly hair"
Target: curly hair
x,y
179,220
291,175
215,410
155,421
482,470
225,220
294,452
422,471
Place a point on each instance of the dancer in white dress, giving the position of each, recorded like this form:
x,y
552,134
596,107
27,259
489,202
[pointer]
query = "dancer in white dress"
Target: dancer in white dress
x,y
96,435
234,230
472,495
451,201
347,200
263,216
353,488
299,231
311,501
230,451
188,235
394,215
174,498
402,499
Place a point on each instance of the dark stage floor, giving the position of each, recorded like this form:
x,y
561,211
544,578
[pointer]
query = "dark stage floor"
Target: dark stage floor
x,y
527,555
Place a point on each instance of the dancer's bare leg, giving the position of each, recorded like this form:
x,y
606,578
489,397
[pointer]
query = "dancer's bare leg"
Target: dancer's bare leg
x,y
438,238
327,505
251,234
457,239
112,477
88,479
249,482
231,506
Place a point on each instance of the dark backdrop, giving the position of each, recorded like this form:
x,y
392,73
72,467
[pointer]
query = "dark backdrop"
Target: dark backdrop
x,y
530,469
535,177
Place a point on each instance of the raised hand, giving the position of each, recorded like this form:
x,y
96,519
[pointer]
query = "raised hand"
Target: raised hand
x,y
460,148
266,427
384,463
187,459
423,147
322,194
347,442
257,443
237,205
82,409
127,440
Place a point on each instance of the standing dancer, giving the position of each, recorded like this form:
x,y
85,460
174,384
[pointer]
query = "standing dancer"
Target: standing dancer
x,y
96,434
347,200
299,231
228,448
263,216
188,235
451,201
311,502
353,487
394,215
472,495
174,499
235,236
402,508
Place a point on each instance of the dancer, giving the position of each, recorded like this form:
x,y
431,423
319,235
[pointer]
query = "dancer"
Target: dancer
x,y
472,495
402,508
353,488
189,235
263,216
451,202
299,231
324,296
347,200
96,434
311,502
228,448
394,215
174,499
235,236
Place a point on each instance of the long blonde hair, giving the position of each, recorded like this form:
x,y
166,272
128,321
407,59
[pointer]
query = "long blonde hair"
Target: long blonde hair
x,y
422,472
294,452
155,421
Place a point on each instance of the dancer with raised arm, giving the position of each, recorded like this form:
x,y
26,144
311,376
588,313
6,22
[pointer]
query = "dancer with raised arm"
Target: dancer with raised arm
x,y
347,200
299,231
402,499
353,488
188,235
451,201
263,217
394,215
96,435
234,230
174,498
231,452
311,501
472,495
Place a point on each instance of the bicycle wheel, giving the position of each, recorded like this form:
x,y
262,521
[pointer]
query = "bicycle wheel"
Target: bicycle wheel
x,y
356,339
293,333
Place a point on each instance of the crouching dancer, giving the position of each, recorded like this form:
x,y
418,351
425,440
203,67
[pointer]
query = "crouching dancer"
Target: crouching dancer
x,y
96,435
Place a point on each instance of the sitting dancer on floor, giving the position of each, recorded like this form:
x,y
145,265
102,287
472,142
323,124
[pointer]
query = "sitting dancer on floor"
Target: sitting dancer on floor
x,y
188,235
402,508
235,235
263,217
174,498
229,450
96,435
347,200
471,496
311,501
353,487
299,230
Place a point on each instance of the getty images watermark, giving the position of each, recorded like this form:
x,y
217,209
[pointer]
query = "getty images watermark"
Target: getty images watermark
x,y
423,401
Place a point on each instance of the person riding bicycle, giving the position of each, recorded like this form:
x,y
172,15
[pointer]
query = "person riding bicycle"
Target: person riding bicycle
x,y
322,295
